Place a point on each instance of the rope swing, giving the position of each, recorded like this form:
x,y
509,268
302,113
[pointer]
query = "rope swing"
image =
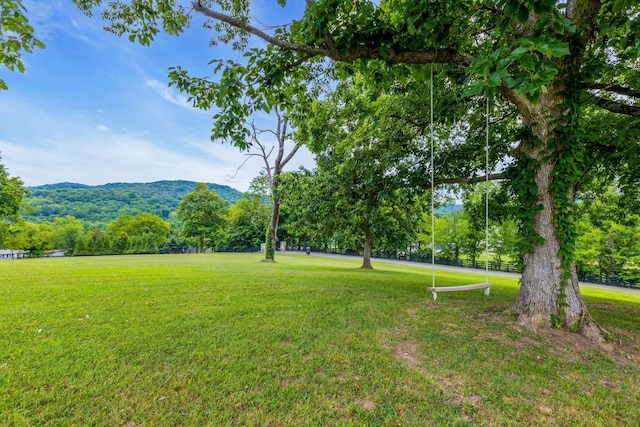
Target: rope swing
x,y
486,285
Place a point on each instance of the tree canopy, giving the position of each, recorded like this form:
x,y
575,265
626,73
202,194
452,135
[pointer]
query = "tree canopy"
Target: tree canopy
x,y
203,214
365,157
17,36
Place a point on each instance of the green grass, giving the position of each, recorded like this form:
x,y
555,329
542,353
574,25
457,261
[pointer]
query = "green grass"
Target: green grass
x,y
222,339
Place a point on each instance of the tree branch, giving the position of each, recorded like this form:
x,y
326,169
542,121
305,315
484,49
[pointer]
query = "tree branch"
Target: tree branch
x,y
473,180
618,107
243,163
264,155
238,23
261,131
292,153
429,56
621,90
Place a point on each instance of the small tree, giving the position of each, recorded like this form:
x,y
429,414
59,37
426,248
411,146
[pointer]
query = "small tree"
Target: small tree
x,y
203,214
11,193
448,235
67,231
120,243
273,169
248,219
503,240
144,227
33,238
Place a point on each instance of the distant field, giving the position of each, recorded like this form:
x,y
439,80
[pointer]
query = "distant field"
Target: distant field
x,y
222,339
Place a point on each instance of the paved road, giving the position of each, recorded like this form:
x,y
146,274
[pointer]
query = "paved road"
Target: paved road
x,y
465,269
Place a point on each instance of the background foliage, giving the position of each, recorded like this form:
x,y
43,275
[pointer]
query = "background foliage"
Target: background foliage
x,y
99,205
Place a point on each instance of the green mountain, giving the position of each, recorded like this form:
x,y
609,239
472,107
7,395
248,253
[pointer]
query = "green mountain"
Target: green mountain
x,y
448,210
103,203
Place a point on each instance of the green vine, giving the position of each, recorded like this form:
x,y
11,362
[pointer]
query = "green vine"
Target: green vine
x,y
567,154
522,180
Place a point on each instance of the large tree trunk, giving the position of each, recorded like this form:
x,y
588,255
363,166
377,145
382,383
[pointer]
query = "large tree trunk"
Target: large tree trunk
x,y
543,300
366,256
539,303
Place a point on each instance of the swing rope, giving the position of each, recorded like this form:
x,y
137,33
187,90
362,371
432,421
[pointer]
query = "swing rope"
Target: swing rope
x,y
486,285
433,223
486,199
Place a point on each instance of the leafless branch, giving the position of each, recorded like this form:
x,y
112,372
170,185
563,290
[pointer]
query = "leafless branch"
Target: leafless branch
x,y
240,167
261,131
292,153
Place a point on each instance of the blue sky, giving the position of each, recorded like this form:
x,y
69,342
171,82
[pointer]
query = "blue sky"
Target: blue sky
x,y
93,108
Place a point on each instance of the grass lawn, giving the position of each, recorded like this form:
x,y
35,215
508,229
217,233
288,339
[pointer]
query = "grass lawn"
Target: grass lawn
x,y
222,339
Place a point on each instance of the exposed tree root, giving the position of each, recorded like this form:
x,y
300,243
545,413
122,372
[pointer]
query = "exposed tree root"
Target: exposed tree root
x,y
587,327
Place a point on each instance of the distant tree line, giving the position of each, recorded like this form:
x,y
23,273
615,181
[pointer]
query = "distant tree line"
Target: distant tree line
x,y
316,212
201,220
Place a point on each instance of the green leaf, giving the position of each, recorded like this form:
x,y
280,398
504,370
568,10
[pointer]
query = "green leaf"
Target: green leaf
x,y
473,89
533,96
517,52
510,82
560,50
510,8
495,80
523,14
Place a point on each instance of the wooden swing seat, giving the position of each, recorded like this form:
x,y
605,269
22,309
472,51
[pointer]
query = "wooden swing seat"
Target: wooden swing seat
x,y
435,289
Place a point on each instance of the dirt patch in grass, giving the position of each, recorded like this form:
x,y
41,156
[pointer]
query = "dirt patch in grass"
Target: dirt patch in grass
x,y
473,400
407,353
366,404
623,346
626,346
623,349
524,343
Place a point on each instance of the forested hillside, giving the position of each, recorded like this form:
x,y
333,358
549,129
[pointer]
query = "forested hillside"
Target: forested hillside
x,y
103,203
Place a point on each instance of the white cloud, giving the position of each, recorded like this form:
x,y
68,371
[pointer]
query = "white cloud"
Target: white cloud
x,y
119,158
74,147
168,94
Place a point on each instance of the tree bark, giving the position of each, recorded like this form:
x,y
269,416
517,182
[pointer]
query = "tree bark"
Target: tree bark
x,y
272,233
366,256
273,174
269,247
539,302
